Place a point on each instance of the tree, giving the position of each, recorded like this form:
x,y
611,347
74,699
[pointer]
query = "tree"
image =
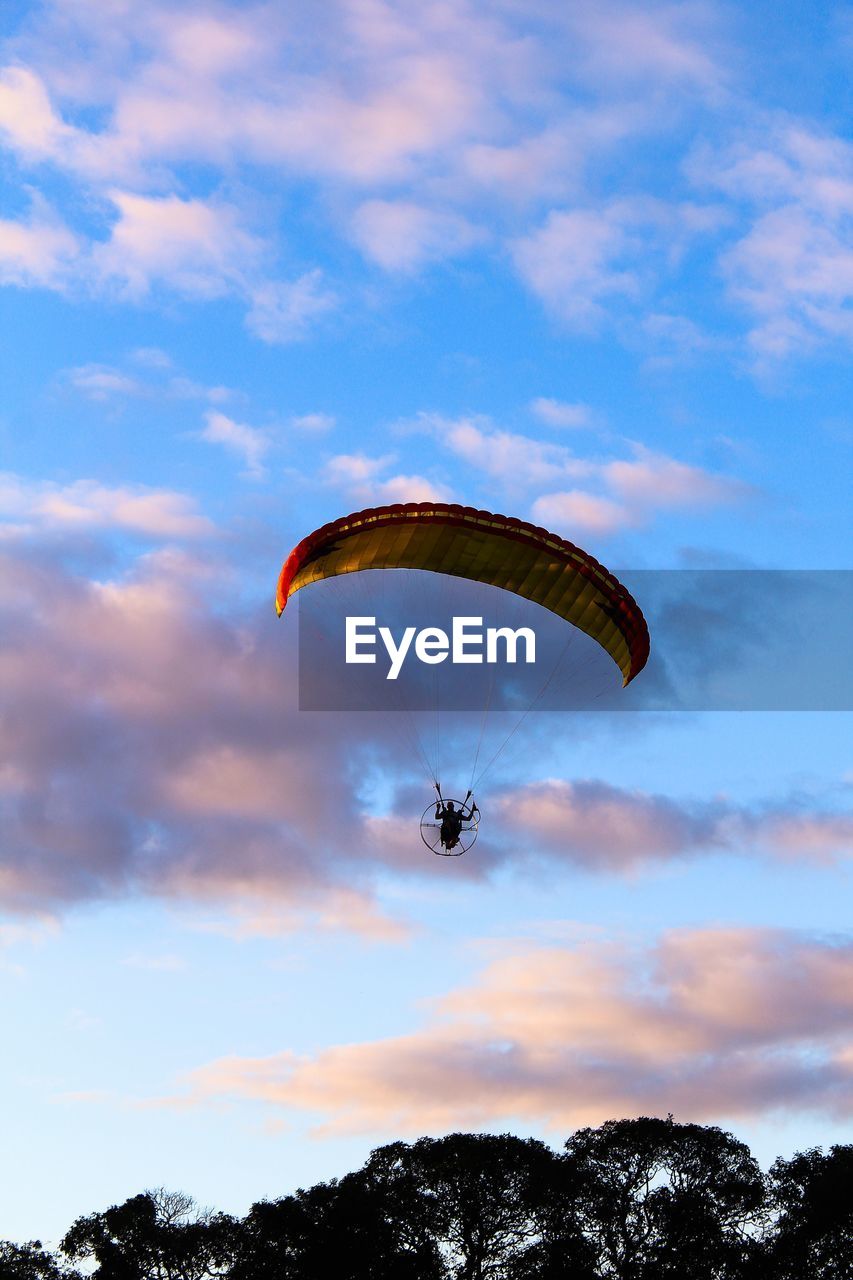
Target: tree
x,y
484,1201
660,1199
31,1261
158,1235
812,1198
352,1229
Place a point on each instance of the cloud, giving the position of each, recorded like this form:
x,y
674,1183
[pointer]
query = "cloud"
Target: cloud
x,y
27,119
796,273
363,478
654,45
704,1023
653,480
156,751
106,383
585,262
572,262
558,413
793,267
196,246
251,443
403,236
100,382
284,311
574,509
40,251
149,744
516,461
193,247
348,469
361,99
631,491
86,504
640,488
408,121
313,422
604,828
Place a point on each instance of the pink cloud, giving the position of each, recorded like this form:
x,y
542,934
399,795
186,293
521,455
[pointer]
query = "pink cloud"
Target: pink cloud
x,y
793,268
402,236
658,44
150,744
653,480
559,413
198,247
365,480
573,263
732,1022
38,251
580,512
515,461
596,825
283,311
635,489
250,443
85,504
27,117
155,750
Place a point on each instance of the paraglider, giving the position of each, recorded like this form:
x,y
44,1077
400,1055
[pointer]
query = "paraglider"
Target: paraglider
x,y
450,831
500,551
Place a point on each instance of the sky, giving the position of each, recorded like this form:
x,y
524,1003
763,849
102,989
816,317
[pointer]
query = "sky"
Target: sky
x,y
266,264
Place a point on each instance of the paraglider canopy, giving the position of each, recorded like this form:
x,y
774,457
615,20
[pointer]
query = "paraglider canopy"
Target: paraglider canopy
x,y
494,549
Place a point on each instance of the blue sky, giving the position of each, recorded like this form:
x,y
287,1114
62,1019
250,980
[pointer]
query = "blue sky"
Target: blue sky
x,y
263,265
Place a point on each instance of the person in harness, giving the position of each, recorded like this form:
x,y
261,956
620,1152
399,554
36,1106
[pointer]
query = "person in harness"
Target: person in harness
x,y
452,820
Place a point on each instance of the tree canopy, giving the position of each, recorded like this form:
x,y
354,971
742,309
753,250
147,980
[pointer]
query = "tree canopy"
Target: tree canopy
x,y
642,1199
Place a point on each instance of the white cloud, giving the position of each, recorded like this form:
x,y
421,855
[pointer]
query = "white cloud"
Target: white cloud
x,y
652,480
410,488
86,504
100,382
39,251
196,247
347,469
106,383
152,358
363,478
410,118
667,44
313,422
559,413
624,493
793,268
402,236
251,443
27,118
189,246
516,461
572,264
575,511
284,311
584,262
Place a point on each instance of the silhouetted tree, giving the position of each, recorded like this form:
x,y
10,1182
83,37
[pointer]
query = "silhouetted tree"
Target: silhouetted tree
x,y
660,1199
159,1235
812,1234
644,1199
482,1198
32,1261
352,1229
